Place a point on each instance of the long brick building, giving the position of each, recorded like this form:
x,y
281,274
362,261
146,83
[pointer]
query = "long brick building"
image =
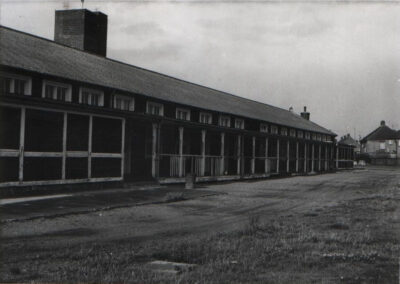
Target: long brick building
x,y
69,114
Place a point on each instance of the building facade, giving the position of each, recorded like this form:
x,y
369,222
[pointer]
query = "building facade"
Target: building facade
x,y
71,115
382,146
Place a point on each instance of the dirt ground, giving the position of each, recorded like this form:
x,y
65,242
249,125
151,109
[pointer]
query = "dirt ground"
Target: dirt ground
x,y
334,228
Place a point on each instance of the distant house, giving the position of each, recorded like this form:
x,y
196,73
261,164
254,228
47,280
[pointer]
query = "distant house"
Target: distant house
x,y
348,140
382,146
348,148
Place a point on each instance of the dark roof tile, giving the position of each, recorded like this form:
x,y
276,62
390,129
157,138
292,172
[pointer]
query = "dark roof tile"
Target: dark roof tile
x,y
25,51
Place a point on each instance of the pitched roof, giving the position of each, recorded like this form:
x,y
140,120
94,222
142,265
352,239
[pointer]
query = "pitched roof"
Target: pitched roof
x,y
32,53
383,132
348,140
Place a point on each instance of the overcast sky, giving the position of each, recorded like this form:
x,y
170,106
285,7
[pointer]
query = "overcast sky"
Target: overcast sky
x,y
341,60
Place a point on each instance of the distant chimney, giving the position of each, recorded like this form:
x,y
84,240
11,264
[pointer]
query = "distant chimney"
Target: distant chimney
x,y
82,29
305,114
382,123
291,109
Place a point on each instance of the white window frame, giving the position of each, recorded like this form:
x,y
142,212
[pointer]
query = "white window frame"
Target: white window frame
x,y
92,91
123,97
300,134
307,135
264,127
382,145
390,142
239,121
183,110
221,117
161,106
68,95
28,85
284,131
274,129
206,115
319,137
292,132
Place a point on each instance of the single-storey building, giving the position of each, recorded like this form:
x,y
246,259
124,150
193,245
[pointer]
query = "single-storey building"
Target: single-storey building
x,y
69,114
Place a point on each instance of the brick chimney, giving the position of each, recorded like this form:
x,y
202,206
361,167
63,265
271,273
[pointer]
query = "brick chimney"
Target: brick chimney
x,y
82,29
305,114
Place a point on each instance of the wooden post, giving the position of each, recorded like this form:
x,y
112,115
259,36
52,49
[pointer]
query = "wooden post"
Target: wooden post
x,y
253,156
319,158
203,152
181,151
326,157
305,157
21,145
90,147
64,146
277,156
122,147
312,157
154,150
288,156
266,168
222,170
337,156
239,153
297,156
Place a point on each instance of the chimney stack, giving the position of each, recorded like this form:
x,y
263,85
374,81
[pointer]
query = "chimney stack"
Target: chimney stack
x,y
82,29
305,114
382,123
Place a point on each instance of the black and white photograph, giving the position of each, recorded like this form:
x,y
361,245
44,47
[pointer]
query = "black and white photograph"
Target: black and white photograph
x,y
190,141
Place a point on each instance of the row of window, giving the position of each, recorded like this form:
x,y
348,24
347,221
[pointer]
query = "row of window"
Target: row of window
x,y
63,92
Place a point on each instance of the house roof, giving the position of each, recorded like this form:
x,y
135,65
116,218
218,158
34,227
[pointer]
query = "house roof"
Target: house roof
x,y
32,53
348,140
383,132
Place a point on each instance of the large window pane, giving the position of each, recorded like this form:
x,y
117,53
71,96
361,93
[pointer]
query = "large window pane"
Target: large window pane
x,y
77,132
9,169
43,131
9,127
76,168
36,169
106,167
106,136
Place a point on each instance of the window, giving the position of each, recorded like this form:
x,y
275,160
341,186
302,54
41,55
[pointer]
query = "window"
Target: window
x,y
307,135
124,102
382,145
239,123
155,108
292,133
56,91
274,129
183,114
264,127
390,142
224,121
314,136
15,84
205,118
91,97
300,134
319,137
283,131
